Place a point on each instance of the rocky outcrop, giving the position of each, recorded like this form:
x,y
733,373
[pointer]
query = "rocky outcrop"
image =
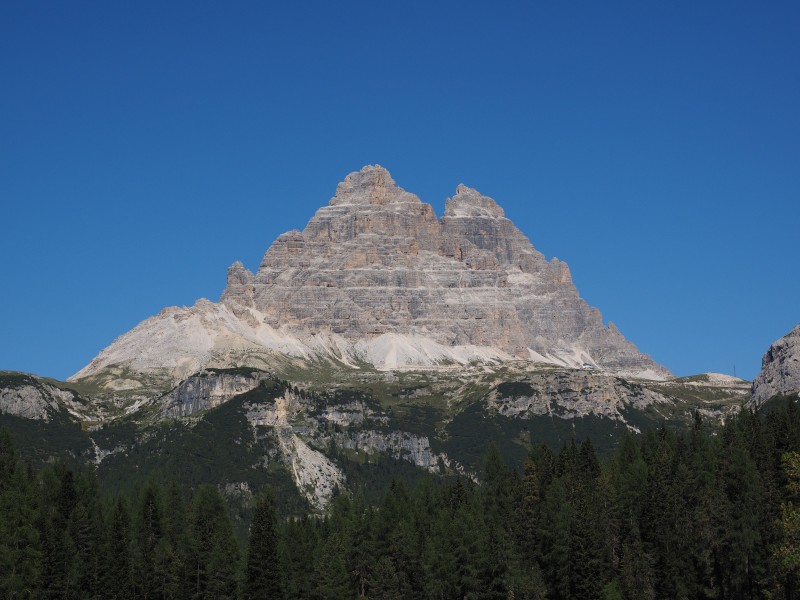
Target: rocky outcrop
x,y
376,278
29,397
571,394
780,369
316,476
209,389
397,444
304,426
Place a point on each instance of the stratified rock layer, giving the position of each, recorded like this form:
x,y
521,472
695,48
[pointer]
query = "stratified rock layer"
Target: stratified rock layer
x,y
375,277
780,369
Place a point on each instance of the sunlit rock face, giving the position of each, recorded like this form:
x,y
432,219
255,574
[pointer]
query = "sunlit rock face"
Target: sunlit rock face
x,y
375,277
780,369
30,397
377,261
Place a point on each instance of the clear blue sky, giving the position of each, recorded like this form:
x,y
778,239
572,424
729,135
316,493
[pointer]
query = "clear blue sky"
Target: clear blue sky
x,y
653,146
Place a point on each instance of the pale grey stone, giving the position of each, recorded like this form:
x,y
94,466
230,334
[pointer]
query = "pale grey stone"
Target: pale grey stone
x,y
780,369
376,260
375,277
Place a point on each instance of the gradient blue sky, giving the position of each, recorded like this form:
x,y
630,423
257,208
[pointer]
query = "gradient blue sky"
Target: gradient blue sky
x,y
653,146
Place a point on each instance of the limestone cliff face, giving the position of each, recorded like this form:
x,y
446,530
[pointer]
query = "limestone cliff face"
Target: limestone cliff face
x,y
572,394
780,369
303,428
377,261
375,277
207,390
29,397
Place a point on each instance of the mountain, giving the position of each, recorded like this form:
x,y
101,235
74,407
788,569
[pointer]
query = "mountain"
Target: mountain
x,y
376,279
780,369
380,342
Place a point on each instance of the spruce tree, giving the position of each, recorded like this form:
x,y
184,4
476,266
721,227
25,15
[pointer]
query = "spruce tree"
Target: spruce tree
x,y
298,543
20,551
331,577
788,552
214,554
263,571
383,581
59,497
149,531
176,545
118,584
555,531
362,550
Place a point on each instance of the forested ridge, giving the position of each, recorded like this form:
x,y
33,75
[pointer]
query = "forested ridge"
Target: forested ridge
x,y
669,515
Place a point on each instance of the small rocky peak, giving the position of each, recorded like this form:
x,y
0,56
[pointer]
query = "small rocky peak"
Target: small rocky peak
x,y
561,272
238,275
469,202
240,285
203,304
371,185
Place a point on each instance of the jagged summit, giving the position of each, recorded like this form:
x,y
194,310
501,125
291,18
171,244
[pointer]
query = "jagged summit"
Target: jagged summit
x,y
375,277
469,202
371,185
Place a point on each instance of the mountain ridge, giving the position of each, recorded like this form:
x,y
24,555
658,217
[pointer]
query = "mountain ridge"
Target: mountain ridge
x,y
376,278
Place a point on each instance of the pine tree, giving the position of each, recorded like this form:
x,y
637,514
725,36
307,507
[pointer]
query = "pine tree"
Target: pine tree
x,y
59,497
555,533
741,538
788,552
263,571
383,581
527,513
666,517
213,549
362,550
493,561
85,529
119,560
636,572
8,458
175,547
20,553
588,540
84,573
331,577
149,532
298,542
706,502
439,564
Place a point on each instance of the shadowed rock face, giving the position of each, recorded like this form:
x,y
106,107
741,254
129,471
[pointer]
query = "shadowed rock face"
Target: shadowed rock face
x,y
377,261
780,369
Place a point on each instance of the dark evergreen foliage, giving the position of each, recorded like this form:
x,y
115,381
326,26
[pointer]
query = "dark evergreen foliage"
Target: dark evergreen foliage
x,y
669,515
263,572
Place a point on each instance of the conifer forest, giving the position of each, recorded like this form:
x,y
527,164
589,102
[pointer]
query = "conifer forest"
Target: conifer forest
x,y
668,514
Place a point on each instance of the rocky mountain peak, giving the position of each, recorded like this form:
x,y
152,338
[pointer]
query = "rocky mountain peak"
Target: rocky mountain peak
x,y
375,277
371,185
237,274
469,202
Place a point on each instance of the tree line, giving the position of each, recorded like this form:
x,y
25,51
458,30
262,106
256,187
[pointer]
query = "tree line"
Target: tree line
x,y
669,515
